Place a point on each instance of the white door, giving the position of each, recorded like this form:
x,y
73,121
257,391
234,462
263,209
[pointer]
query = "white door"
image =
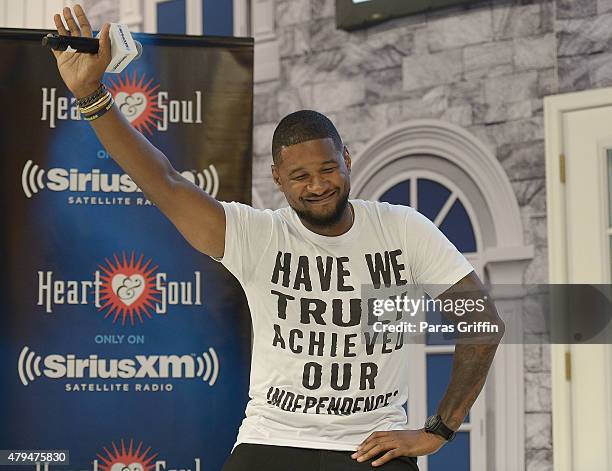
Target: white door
x,y
588,147
588,162
584,224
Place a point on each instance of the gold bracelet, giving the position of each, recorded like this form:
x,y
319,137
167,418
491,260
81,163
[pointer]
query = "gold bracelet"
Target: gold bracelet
x,y
94,103
99,113
98,104
87,100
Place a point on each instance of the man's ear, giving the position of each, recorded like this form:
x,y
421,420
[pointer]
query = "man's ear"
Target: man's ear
x,y
347,158
275,175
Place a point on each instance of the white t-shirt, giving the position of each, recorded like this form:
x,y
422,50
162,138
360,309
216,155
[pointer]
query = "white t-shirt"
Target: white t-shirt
x,y
315,382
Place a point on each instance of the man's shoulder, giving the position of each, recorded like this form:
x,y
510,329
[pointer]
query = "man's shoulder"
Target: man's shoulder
x,y
382,208
243,207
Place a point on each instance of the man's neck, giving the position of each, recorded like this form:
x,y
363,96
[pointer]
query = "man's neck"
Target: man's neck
x,y
333,230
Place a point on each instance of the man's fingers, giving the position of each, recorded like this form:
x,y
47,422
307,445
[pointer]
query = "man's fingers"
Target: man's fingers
x,y
72,26
105,47
368,446
372,437
394,453
376,450
361,445
59,24
373,451
83,21
61,30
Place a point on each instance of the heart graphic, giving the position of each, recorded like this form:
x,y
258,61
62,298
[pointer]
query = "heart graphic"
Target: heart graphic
x,y
131,467
128,288
132,106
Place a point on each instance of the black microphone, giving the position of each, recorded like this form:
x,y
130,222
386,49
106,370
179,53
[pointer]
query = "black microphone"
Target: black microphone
x,y
77,43
123,47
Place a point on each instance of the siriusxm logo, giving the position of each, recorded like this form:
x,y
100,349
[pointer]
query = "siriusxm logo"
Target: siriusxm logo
x,y
35,179
31,365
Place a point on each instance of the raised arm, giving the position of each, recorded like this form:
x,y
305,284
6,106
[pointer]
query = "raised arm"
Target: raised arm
x,y
198,216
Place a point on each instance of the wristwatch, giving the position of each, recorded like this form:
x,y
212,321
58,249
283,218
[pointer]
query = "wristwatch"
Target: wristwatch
x,y
435,425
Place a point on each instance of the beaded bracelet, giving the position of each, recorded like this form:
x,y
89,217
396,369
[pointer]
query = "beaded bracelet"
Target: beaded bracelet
x,y
89,99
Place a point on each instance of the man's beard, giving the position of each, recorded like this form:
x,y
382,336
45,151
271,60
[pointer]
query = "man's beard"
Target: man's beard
x,y
325,220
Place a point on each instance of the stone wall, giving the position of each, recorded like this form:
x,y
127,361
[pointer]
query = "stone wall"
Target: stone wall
x,y
584,46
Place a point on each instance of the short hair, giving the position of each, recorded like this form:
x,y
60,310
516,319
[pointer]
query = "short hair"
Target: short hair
x,y
302,126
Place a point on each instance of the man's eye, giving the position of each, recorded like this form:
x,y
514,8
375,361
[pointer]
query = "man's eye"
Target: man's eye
x,y
299,177
328,170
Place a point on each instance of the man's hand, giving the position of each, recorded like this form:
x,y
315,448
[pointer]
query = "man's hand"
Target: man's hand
x,y
80,71
397,443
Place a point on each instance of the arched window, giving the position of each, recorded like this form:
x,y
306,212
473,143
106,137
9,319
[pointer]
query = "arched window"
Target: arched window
x,y
441,201
449,176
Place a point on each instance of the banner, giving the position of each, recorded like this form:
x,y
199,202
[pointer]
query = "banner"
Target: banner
x,y
120,343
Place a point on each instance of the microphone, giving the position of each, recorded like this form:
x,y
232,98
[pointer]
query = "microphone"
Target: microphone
x,y
77,44
124,48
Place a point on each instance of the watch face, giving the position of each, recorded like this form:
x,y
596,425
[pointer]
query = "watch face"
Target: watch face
x,y
431,421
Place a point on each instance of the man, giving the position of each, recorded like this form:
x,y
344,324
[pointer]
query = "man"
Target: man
x,y
325,394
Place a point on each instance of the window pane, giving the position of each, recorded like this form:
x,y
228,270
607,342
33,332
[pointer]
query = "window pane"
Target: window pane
x,y
453,456
171,17
431,196
458,228
398,194
218,17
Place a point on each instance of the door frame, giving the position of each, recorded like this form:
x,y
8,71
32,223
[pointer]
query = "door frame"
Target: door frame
x,y
554,108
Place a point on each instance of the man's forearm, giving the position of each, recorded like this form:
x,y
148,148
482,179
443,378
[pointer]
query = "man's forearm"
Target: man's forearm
x,y
470,367
474,352
141,160
197,215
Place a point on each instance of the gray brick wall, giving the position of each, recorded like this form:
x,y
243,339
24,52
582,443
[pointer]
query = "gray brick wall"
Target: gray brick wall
x,y
584,44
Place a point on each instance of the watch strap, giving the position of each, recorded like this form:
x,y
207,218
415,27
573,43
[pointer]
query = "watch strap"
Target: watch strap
x,y
435,425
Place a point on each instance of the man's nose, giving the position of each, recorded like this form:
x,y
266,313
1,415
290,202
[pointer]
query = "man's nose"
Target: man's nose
x,y
317,185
